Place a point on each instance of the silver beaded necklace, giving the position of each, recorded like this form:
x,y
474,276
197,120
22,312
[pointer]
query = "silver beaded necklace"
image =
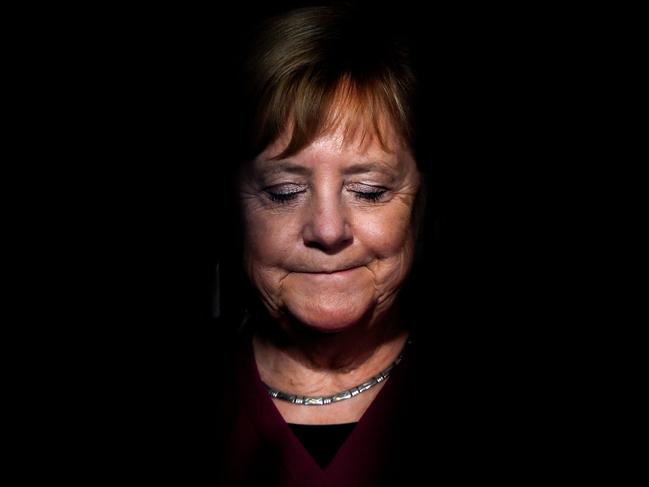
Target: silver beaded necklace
x,y
340,396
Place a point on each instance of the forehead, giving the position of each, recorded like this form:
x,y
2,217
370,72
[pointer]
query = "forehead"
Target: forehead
x,y
331,145
330,153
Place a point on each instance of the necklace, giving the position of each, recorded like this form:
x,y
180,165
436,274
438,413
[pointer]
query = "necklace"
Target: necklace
x,y
340,396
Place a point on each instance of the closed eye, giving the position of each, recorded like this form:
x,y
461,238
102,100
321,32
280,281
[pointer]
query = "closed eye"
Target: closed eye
x,y
369,195
367,192
284,193
281,197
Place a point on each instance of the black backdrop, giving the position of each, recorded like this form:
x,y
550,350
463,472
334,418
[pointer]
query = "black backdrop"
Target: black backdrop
x,y
497,83
491,100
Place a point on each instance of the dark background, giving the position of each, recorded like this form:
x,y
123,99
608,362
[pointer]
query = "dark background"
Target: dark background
x,y
502,103
494,90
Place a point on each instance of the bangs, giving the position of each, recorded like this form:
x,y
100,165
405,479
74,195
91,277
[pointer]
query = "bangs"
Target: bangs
x,y
307,108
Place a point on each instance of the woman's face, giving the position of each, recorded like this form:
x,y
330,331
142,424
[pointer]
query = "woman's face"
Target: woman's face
x,y
328,231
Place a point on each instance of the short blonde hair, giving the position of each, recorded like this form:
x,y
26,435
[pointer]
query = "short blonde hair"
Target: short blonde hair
x,y
316,69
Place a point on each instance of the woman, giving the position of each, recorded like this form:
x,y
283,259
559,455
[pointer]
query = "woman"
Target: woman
x,y
330,196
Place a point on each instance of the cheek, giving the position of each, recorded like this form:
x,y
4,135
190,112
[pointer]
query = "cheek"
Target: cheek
x,y
267,240
386,236
391,240
264,251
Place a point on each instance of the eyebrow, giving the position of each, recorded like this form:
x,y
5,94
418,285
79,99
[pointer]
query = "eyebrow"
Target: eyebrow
x,y
286,166
365,167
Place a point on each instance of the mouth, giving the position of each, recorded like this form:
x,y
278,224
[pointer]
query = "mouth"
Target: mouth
x,y
340,270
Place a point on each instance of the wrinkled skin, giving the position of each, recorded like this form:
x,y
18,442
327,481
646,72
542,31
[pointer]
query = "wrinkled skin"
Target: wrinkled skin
x,y
329,235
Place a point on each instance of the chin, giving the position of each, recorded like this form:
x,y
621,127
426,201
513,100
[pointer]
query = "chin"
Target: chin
x,y
329,302
329,317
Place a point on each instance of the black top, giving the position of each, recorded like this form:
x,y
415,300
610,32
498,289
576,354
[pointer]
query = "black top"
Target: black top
x,y
322,441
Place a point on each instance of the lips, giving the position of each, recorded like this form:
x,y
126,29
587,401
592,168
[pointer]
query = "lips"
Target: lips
x,y
335,271
327,269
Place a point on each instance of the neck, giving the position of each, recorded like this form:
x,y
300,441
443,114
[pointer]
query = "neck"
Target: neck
x,y
299,360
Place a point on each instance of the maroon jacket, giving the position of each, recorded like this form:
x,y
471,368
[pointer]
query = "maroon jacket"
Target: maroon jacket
x,y
448,415
262,449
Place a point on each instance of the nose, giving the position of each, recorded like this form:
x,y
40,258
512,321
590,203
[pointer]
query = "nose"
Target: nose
x,y
327,227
